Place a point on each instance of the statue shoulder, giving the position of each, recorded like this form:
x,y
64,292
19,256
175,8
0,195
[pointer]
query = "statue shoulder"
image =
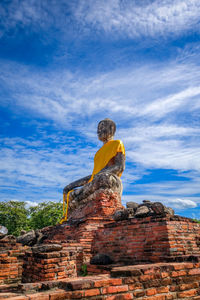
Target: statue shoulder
x,y
118,142
120,146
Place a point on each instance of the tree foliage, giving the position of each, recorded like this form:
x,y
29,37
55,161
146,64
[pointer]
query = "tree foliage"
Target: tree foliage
x,y
45,214
16,216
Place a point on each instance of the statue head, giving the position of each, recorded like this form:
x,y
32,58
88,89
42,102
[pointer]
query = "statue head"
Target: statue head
x,y
106,130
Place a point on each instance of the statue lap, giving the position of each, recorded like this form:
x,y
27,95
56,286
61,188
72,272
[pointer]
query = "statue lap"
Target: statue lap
x,y
100,197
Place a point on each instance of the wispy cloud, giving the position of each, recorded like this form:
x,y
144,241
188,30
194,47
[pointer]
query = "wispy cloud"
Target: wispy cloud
x,y
175,203
156,106
139,18
115,17
26,165
149,92
161,107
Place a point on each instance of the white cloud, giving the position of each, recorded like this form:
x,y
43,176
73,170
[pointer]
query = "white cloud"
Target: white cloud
x,y
134,97
152,105
42,170
169,201
161,107
135,92
182,203
136,18
31,204
116,18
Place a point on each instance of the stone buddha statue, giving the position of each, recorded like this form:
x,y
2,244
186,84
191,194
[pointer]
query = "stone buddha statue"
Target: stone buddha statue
x,y
109,163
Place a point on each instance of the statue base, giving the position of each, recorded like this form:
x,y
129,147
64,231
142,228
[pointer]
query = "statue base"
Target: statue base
x,y
103,202
101,197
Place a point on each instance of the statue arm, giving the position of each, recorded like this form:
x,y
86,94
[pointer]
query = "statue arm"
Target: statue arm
x,y
118,166
77,183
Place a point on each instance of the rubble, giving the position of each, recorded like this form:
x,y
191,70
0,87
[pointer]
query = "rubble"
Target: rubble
x,y
147,208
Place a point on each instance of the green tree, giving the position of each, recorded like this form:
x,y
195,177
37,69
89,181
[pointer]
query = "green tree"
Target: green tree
x,y
45,214
14,216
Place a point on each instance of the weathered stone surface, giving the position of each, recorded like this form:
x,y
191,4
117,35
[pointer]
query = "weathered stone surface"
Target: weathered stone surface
x,y
9,238
23,232
120,215
158,208
105,181
114,165
131,212
40,236
31,238
142,211
169,211
133,205
101,259
146,201
3,231
102,198
147,208
28,238
46,248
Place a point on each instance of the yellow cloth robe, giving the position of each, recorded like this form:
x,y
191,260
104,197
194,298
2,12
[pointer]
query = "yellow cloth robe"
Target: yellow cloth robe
x,y
105,154
101,159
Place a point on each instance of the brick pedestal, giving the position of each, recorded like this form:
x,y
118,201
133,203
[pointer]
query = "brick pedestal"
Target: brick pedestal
x,y
102,203
11,260
53,265
150,239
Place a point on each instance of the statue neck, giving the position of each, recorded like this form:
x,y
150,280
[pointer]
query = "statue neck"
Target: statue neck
x,y
108,140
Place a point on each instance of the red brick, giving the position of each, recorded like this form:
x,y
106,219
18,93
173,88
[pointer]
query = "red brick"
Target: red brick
x,y
147,277
138,293
178,273
77,295
19,298
115,289
108,282
151,292
194,272
157,297
170,297
162,289
92,292
164,274
179,266
58,295
189,265
135,286
41,296
120,297
7,295
189,286
186,294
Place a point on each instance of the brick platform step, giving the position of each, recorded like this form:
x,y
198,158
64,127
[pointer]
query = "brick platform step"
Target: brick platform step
x,y
159,281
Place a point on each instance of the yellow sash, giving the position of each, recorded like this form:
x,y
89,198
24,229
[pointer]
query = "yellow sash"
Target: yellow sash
x,y
101,159
105,154
65,207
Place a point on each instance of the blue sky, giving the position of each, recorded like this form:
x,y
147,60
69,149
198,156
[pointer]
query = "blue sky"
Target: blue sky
x,y
65,65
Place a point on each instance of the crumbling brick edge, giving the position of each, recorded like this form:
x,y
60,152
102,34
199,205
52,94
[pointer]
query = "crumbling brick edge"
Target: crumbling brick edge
x,y
158,281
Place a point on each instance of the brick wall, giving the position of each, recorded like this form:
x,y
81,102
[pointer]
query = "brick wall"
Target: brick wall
x,y
53,265
148,240
161,281
11,260
82,233
183,238
130,241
